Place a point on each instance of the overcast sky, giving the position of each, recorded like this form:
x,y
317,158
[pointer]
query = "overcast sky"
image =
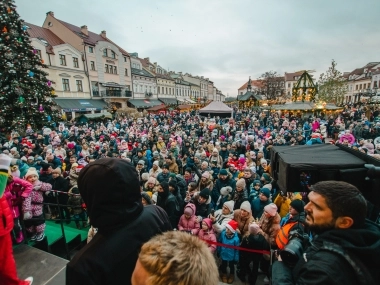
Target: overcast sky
x,y
229,40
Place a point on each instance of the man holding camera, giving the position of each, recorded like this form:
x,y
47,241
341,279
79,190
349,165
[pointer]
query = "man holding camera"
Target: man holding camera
x,y
345,248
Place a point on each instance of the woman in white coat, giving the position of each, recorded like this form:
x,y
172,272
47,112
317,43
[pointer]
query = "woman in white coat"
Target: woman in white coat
x,y
221,217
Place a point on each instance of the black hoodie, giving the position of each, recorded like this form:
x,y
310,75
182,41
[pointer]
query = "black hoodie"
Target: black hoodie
x,y
110,188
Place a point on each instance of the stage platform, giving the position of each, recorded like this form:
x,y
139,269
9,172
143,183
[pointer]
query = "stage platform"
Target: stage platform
x,y
46,269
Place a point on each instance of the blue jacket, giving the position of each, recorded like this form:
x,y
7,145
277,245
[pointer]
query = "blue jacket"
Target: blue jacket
x,y
225,253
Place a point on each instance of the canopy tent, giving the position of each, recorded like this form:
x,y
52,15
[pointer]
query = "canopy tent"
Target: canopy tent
x,y
156,108
84,118
216,108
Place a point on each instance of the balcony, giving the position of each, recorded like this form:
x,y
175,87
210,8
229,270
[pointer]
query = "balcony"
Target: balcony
x,y
128,93
95,94
111,93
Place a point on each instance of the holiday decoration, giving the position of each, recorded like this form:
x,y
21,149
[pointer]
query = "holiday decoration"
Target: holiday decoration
x,y
22,77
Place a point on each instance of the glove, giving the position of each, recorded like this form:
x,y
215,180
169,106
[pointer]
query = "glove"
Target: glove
x,y
5,162
27,215
37,187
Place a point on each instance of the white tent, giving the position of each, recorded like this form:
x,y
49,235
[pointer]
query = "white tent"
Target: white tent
x,y
216,108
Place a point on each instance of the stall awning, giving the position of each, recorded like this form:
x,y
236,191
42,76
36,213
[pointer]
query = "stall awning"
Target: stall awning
x,y
144,103
190,101
80,105
156,108
169,101
99,115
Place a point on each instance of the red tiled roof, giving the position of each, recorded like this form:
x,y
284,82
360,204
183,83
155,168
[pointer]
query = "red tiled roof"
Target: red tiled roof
x,y
145,63
290,76
45,34
92,38
255,83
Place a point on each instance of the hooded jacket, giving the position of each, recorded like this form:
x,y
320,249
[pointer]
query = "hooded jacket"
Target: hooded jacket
x,y
111,191
219,183
337,256
190,224
168,202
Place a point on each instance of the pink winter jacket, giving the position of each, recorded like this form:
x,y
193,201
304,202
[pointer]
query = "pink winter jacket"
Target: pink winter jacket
x,y
16,193
33,203
208,236
349,137
191,224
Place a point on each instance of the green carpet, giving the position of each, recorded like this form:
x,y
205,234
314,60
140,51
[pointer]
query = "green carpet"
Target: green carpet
x,y
53,232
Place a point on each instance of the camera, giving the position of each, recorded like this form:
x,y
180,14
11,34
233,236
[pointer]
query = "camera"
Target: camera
x,y
293,251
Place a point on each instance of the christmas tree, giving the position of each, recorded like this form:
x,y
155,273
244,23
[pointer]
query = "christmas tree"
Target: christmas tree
x,y
25,92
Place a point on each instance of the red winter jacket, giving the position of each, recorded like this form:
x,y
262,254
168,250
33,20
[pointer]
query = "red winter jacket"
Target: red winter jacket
x,y
6,219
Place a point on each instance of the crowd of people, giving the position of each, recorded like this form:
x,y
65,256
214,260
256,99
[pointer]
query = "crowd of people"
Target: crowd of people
x,y
212,176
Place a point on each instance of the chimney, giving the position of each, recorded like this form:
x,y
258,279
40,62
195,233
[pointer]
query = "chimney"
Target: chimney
x,y
84,30
51,13
155,64
103,34
147,59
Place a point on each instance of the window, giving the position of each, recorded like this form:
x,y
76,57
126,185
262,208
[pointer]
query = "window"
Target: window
x,y
114,70
138,66
62,59
357,87
166,90
113,54
159,90
79,86
288,85
364,86
126,72
110,69
125,59
106,68
90,49
76,62
92,63
134,65
135,88
360,87
375,84
66,84
105,52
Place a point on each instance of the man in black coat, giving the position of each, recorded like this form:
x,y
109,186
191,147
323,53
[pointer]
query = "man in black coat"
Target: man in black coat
x,y
60,184
168,202
345,248
111,190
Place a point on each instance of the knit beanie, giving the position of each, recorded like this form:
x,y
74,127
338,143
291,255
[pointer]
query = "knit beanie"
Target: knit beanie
x,y
173,184
240,183
206,174
254,228
230,205
146,197
31,171
145,176
223,172
152,180
265,192
224,191
271,209
189,211
266,176
232,226
142,162
172,175
156,162
208,222
205,193
57,170
245,206
298,205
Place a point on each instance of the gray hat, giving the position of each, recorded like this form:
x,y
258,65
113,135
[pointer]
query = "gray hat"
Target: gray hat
x,y
141,162
156,153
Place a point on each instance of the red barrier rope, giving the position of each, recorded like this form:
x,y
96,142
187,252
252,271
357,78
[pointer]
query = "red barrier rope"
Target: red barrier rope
x,y
237,247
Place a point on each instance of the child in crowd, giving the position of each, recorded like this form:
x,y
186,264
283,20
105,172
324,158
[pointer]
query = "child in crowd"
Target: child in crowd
x,y
229,256
188,221
206,233
75,201
255,240
73,176
255,190
33,206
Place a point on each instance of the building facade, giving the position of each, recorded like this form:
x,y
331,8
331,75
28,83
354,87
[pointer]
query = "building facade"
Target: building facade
x,y
107,66
290,81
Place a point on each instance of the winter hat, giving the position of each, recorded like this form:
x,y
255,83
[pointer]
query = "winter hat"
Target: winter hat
x,y
254,228
240,183
242,160
57,170
141,162
156,153
298,205
230,205
245,206
165,166
255,182
271,209
208,222
145,176
232,226
156,162
205,193
206,174
31,171
173,184
224,191
71,145
30,158
188,211
146,197
266,176
74,165
172,175
266,192
5,162
152,180
24,159
223,172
